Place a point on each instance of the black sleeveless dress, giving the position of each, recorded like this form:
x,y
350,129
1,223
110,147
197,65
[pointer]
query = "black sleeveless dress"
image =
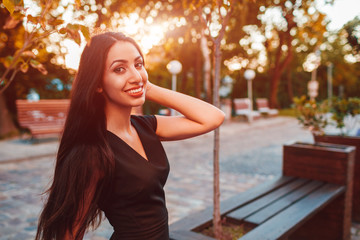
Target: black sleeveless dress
x,y
136,205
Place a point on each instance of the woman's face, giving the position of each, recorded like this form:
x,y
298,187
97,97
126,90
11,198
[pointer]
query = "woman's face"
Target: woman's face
x,y
125,78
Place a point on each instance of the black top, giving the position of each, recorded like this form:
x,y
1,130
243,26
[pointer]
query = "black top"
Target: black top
x,y
136,207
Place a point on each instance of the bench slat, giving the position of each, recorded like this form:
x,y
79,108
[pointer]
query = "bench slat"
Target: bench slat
x,y
277,206
206,215
267,199
287,221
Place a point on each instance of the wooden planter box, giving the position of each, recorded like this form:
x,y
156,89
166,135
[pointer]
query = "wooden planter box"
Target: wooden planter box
x,y
327,164
350,141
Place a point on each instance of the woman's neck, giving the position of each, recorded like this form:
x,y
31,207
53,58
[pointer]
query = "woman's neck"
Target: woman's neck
x,y
118,119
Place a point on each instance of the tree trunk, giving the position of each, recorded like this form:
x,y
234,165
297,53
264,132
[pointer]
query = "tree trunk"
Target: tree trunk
x,y
216,100
280,67
274,85
289,86
7,127
207,66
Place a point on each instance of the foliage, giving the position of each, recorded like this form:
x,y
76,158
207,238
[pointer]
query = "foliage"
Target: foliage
x,y
311,115
300,30
39,26
353,33
344,113
337,52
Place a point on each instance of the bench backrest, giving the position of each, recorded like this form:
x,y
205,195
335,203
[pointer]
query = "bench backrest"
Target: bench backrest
x,y
242,103
262,103
47,115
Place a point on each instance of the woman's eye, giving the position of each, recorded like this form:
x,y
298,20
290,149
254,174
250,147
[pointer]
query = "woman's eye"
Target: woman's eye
x,y
139,65
119,69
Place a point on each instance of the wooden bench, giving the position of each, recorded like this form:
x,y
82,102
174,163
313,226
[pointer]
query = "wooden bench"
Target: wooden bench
x,y
262,105
311,200
242,108
43,117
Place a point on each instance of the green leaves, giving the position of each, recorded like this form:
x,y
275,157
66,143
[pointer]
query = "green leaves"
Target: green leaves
x,y
85,31
37,65
22,63
312,114
9,5
344,108
28,37
24,67
7,61
12,5
3,40
73,31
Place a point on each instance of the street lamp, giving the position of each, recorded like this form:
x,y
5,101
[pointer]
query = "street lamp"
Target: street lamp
x,y
330,67
311,64
313,87
249,75
174,67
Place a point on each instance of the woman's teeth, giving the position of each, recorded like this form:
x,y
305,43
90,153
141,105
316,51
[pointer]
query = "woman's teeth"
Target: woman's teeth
x,y
133,91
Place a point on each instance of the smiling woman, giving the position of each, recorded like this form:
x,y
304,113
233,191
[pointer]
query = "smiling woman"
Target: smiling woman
x,y
109,160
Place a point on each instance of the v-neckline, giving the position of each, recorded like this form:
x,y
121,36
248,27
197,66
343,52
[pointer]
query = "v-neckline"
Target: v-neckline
x,y
147,159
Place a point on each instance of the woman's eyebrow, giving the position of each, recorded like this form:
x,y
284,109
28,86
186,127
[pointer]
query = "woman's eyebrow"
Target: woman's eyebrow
x,y
118,60
124,61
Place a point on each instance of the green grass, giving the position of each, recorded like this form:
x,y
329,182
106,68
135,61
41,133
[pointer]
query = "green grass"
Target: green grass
x,y
289,112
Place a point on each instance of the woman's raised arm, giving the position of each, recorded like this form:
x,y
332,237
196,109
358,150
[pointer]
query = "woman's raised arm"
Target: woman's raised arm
x,y
198,117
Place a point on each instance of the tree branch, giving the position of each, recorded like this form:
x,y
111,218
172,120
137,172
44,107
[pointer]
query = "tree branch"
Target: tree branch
x,y
9,82
226,20
205,23
14,61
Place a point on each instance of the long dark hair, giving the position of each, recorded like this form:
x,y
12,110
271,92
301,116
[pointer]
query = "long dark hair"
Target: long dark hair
x,y
84,153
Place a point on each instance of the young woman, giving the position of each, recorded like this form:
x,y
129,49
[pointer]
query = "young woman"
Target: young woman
x,y
109,160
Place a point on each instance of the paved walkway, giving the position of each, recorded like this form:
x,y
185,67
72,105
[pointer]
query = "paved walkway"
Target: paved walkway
x,y
249,155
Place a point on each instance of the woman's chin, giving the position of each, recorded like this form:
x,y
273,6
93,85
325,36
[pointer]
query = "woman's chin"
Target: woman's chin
x,y
139,102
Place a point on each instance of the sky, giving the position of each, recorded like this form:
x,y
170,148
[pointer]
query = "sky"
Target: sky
x,y
341,12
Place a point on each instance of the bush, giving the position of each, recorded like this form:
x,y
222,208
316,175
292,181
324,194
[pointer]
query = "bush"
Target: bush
x,y
343,113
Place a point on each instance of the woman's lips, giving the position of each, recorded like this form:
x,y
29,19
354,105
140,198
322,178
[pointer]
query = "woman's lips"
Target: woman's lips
x,y
135,92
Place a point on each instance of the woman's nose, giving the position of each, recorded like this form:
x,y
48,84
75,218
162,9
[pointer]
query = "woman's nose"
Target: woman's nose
x,y
135,76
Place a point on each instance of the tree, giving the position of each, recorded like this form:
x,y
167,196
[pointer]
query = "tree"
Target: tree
x,y
26,34
338,51
353,34
300,25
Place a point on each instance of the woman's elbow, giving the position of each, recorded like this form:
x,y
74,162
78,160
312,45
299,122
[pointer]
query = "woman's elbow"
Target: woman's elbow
x,y
221,117
218,119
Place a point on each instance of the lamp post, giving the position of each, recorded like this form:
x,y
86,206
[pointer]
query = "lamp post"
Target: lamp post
x,y
311,65
313,87
249,75
330,67
174,67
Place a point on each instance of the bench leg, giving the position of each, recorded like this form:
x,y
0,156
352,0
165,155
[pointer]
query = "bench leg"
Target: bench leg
x,y
331,223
